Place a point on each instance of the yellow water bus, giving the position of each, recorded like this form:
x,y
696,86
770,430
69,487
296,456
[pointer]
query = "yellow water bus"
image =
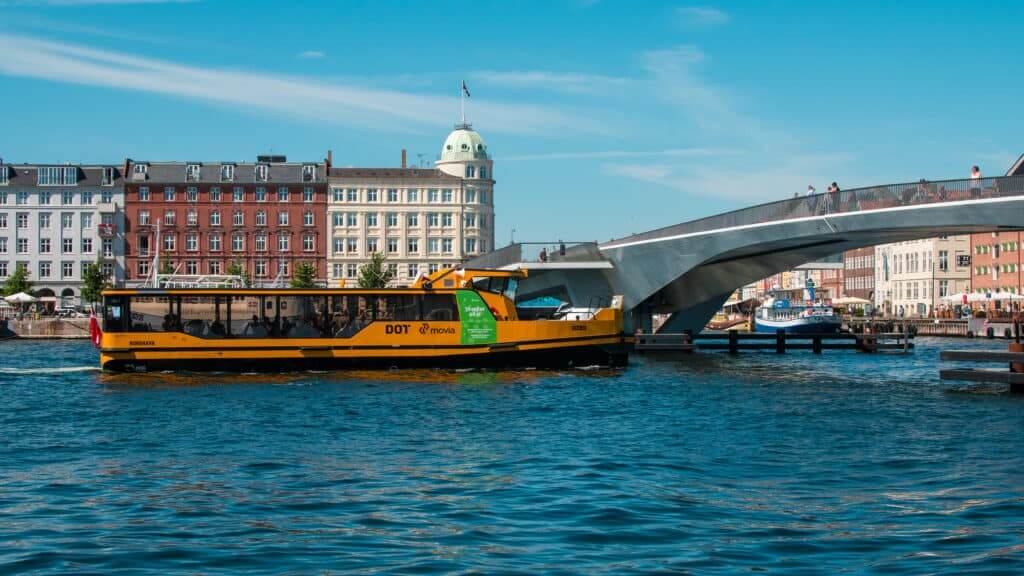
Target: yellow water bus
x,y
453,318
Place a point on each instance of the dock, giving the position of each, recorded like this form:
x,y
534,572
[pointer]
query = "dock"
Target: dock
x,y
1013,358
734,341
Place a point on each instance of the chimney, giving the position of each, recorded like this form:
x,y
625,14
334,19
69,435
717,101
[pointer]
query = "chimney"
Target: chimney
x,y
330,159
404,163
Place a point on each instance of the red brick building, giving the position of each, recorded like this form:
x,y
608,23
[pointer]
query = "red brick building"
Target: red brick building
x,y
859,273
266,215
831,286
996,257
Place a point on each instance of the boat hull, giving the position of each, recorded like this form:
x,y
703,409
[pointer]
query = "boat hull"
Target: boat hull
x,y
601,352
812,325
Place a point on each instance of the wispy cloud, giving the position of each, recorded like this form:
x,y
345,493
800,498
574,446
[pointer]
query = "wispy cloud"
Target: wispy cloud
x,y
604,154
293,96
311,54
551,81
701,16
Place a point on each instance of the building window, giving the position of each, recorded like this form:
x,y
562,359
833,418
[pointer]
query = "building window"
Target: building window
x,y
215,242
22,245
470,195
215,218
414,270
471,245
215,194
67,198
392,245
412,195
432,195
261,269
227,172
169,218
392,195
238,219
351,220
282,218
337,195
67,269
337,219
44,245
447,196
392,219
371,245
143,193
192,194
337,270
44,269
446,219
67,245
3,245
307,218
352,245
143,217
371,195
371,220
413,246
106,197
44,220
262,172
307,195
192,218
470,220
352,195
191,243
338,245
170,242
283,243
57,176
214,266
483,172
237,243
433,219
44,198
282,194
169,194
350,270
483,197
261,242
446,245
238,194
308,173
191,267
308,243
21,198
433,245
413,220
470,171
261,218
282,268
261,194
86,245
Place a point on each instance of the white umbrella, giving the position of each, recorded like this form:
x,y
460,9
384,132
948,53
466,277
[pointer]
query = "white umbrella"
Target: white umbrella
x,y
849,300
993,296
20,298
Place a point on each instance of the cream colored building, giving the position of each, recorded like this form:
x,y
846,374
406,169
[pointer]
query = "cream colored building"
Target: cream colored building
x,y
912,277
422,219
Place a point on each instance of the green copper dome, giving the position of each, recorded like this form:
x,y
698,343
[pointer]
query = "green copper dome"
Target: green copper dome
x,y
463,143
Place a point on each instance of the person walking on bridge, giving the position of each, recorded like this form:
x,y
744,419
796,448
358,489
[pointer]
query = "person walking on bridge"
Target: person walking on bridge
x,y
975,181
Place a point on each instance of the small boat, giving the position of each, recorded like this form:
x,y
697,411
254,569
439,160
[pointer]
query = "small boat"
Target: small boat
x,y
454,318
780,314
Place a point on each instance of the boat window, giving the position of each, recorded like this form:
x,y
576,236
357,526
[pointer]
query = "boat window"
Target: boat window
x,y
116,314
506,286
348,315
440,307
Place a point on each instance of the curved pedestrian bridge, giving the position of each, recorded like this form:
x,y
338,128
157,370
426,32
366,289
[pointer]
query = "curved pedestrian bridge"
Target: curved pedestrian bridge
x,y
689,269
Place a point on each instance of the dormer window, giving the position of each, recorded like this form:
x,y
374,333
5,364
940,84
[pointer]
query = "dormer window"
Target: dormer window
x,y
465,146
108,176
227,172
192,172
308,172
57,176
3,174
139,170
262,172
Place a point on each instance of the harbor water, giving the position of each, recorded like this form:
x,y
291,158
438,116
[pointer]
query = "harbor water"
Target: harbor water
x,y
705,463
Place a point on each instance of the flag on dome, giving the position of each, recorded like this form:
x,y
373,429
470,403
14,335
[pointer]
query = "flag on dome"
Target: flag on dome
x,y
465,89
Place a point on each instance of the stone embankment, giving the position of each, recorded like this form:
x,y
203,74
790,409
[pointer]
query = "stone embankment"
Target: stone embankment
x,y
55,328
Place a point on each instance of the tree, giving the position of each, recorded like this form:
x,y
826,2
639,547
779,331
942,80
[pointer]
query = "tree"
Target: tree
x,y
304,276
375,274
236,269
166,267
94,282
18,281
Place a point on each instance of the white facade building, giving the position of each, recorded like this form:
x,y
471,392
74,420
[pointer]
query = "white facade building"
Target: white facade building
x,y
56,219
911,278
422,219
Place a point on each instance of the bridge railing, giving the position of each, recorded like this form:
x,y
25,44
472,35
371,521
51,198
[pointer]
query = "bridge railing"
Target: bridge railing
x,y
853,200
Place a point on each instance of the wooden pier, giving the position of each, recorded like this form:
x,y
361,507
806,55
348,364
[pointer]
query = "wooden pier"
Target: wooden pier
x,y
1013,358
734,341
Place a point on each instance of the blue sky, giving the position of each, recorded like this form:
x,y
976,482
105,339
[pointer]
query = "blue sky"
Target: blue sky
x,y
604,117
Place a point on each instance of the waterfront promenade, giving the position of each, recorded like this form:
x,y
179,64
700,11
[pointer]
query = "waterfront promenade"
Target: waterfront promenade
x,y
707,463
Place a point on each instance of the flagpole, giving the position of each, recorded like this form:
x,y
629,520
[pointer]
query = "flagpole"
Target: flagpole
x,y
462,102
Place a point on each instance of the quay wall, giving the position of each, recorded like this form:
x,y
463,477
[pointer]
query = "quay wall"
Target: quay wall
x,y
51,328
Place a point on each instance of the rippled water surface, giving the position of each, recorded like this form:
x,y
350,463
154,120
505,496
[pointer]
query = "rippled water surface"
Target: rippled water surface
x,y
710,463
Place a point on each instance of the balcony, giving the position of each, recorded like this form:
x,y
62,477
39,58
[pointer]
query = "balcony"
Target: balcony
x,y
107,207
